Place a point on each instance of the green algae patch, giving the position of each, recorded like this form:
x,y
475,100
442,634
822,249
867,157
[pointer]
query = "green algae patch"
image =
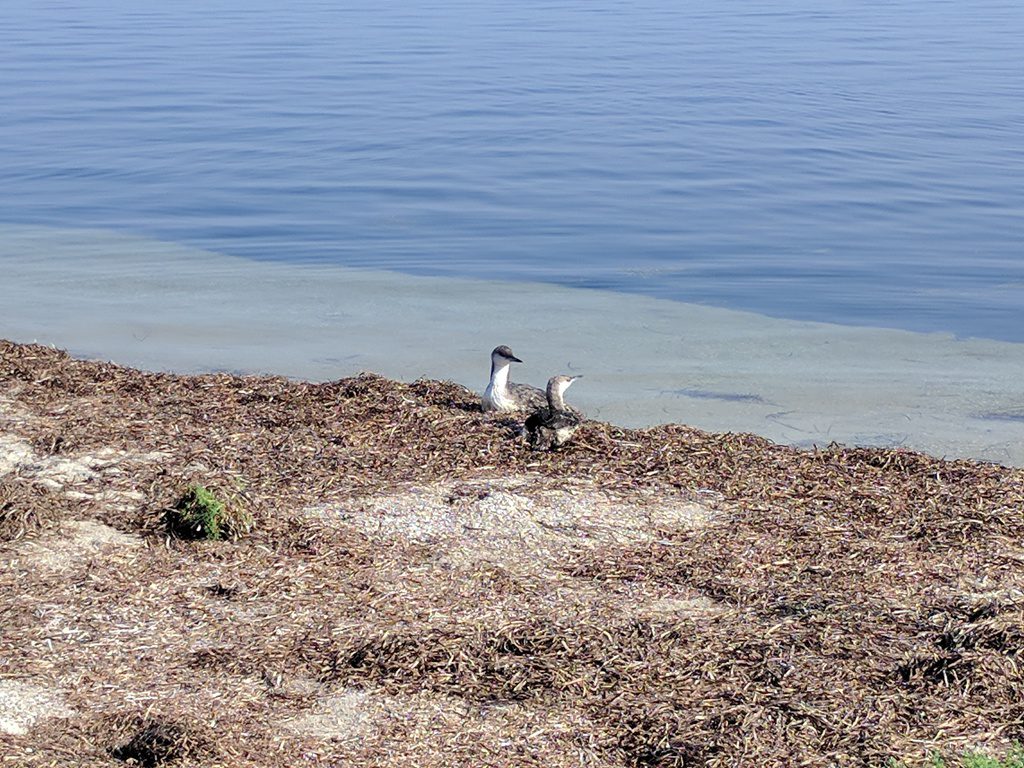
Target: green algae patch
x,y
200,514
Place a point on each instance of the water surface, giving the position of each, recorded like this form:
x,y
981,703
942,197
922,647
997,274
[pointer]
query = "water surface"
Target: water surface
x,y
858,163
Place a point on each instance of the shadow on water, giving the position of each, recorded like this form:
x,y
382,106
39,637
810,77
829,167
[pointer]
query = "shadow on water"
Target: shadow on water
x,y
706,394
1003,416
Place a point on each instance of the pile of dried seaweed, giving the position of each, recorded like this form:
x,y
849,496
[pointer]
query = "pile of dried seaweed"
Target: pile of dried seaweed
x,y
25,507
869,603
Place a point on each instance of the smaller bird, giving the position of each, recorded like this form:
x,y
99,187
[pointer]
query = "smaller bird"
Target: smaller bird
x,y
501,394
553,426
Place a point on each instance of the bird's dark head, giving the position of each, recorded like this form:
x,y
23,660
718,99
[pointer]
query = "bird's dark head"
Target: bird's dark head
x,y
503,354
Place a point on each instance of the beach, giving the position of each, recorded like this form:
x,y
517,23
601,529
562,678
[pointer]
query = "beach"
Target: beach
x,y
416,586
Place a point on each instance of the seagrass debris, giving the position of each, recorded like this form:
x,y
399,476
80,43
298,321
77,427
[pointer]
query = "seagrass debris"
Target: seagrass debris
x,y
868,602
25,508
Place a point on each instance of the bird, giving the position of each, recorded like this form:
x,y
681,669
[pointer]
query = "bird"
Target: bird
x,y
553,425
502,395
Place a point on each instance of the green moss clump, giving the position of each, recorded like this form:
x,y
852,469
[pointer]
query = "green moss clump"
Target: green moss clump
x,y
199,514
1015,759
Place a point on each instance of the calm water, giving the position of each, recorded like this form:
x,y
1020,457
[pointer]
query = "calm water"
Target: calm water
x,y
855,162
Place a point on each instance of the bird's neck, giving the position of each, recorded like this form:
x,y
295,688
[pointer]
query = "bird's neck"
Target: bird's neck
x,y
499,376
555,401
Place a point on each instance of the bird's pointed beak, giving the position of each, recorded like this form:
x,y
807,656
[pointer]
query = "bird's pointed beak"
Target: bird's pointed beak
x,y
514,359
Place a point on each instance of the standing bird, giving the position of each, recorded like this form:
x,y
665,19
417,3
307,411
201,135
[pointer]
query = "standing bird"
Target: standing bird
x,y
502,395
553,426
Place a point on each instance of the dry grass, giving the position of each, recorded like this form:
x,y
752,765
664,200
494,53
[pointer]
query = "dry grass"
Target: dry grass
x,y
839,607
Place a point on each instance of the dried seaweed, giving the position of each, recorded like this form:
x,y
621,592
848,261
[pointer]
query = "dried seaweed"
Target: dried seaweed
x,y
155,742
26,508
869,601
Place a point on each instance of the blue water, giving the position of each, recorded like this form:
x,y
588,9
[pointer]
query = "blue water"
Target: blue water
x,y
859,163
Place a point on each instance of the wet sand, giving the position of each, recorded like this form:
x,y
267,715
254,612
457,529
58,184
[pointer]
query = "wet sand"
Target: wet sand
x,y
645,361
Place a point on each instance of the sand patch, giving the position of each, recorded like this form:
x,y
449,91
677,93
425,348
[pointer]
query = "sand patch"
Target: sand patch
x,y
343,716
13,414
15,453
680,607
507,733
517,521
55,472
79,542
76,476
429,729
23,704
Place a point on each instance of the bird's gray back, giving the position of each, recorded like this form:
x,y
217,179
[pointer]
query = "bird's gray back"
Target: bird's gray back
x,y
527,398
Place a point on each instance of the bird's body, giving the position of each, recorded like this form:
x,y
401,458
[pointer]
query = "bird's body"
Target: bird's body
x,y
502,395
553,425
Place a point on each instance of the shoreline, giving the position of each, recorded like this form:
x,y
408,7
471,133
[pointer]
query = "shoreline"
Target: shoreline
x,y
160,306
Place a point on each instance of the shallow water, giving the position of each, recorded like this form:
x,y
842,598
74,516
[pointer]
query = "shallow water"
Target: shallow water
x,y
644,360
858,163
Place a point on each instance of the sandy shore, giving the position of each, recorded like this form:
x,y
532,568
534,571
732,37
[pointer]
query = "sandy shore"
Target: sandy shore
x,y
419,588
